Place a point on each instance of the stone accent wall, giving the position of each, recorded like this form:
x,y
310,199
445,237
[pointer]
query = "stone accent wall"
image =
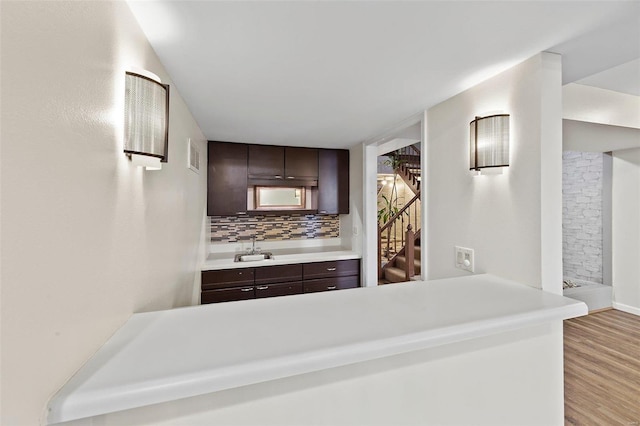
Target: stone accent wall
x,y
231,229
582,178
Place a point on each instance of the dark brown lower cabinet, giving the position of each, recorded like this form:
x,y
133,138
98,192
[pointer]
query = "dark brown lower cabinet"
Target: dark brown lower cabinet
x,y
281,280
228,294
284,289
327,284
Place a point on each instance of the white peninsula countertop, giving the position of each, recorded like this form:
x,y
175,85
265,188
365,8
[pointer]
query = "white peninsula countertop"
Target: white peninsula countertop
x,y
167,355
217,261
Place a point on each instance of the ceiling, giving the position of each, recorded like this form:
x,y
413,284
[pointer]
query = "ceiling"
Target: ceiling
x,y
335,73
623,78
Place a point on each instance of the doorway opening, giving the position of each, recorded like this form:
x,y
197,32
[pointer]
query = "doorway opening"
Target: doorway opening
x,y
399,214
394,143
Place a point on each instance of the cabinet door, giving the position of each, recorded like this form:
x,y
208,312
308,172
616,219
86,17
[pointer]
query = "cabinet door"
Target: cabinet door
x,y
328,284
284,289
278,274
333,181
266,162
300,163
227,295
227,278
336,268
227,179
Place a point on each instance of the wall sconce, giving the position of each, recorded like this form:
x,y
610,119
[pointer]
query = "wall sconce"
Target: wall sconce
x,y
489,145
146,121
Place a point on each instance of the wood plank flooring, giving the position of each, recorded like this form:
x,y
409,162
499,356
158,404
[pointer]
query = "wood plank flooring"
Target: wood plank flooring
x,y
602,369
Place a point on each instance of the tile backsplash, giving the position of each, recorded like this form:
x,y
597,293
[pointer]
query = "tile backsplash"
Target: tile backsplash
x,y
231,229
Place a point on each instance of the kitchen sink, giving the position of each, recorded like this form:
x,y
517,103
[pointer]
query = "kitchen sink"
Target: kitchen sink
x,y
253,257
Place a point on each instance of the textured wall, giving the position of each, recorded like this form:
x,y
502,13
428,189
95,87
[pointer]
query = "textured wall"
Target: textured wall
x,y
232,229
582,177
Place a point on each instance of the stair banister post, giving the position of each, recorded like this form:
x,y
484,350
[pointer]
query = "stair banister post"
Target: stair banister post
x,y
409,253
379,252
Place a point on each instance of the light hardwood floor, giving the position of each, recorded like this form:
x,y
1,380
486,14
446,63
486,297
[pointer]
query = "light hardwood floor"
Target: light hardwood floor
x,y
602,369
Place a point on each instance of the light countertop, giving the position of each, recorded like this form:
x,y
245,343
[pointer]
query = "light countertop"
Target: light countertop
x,y
217,261
167,355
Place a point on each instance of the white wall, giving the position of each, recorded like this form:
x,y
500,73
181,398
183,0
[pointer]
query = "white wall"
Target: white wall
x,y
626,230
597,105
594,137
513,221
87,239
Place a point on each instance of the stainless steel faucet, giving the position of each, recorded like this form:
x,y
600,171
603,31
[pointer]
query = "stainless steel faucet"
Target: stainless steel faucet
x,y
253,244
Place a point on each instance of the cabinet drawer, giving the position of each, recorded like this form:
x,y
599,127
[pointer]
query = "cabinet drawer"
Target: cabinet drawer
x,y
278,274
227,295
336,268
337,283
227,278
284,289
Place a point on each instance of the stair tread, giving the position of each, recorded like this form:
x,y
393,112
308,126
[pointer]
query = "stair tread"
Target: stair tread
x,y
394,275
401,262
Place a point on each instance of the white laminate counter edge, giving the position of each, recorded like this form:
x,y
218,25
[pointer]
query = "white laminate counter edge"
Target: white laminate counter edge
x,y
225,260
87,394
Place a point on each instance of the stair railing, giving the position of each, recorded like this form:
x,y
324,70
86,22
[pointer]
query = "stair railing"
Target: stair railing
x,y
409,160
409,254
395,227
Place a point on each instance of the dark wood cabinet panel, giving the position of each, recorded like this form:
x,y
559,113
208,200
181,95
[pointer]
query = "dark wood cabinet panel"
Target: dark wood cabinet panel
x,y
334,283
333,181
227,295
283,289
300,163
235,167
266,162
278,274
279,280
227,278
226,179
336,268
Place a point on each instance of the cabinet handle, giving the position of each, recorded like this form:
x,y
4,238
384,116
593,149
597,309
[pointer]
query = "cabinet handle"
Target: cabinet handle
x,y
331,269
331,287
322,211
278,176
291,177
246,289
241,212
262,287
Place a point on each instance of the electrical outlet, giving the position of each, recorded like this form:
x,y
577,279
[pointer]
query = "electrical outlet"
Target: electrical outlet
x,y
464,258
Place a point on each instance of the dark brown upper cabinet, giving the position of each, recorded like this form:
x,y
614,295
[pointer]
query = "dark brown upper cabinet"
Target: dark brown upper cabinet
x,y
266,162
333,181
300,163
280,165
227,179
235,167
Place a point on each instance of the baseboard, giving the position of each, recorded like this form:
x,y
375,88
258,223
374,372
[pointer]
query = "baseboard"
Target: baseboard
x,y
626,308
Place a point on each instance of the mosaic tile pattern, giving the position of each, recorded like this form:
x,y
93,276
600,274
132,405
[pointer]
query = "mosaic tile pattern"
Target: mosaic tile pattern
x,y
231,229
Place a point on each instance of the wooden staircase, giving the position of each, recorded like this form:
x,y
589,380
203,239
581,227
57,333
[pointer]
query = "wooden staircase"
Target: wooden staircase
x,y
395,270
410,171
403,252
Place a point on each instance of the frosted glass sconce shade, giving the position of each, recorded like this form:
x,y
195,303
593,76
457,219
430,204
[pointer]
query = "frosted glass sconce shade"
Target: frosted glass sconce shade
x,y
489,145
146,117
